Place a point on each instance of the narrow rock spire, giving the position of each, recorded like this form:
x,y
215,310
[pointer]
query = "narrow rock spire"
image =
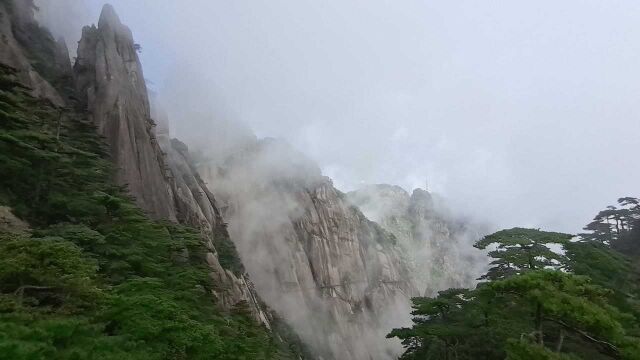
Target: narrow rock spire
x,y
108,17
110,82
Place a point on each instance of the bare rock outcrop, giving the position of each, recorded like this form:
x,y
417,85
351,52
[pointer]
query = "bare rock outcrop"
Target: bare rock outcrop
x,y
337,278
24,45
440,244
157,170
10,223
196,206
110,83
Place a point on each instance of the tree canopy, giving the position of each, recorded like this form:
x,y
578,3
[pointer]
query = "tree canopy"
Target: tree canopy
x,y
519,250
547,295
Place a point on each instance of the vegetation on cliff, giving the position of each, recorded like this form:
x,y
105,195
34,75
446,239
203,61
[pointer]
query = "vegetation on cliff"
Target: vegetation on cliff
x,y
94,277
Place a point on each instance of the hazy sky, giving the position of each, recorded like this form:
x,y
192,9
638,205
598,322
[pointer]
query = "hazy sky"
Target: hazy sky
x,y
519,112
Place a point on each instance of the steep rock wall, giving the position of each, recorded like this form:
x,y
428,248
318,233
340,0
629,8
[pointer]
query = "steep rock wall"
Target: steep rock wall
x,y
29,49
110,83
339,279
196,206
440,244
156,170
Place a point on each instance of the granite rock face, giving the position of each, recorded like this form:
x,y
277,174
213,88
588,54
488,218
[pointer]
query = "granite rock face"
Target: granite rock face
x,y
157,170
110,83
337,278
440,244
10,223
22,44
196,206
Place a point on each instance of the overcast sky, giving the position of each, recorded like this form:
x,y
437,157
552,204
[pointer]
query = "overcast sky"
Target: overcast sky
x,y
518,112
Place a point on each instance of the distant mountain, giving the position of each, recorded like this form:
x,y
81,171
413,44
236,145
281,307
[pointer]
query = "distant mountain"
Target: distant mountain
x,y
439,243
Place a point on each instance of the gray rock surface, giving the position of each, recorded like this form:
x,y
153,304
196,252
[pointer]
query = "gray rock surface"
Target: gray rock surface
x,y
10,223
440,244
17,23
337,278
196,206
110,82
156,170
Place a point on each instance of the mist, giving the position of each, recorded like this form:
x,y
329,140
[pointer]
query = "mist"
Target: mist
x,y
334,287
519,113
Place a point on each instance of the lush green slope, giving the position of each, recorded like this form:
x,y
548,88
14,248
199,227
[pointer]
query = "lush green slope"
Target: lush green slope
x,y
95,278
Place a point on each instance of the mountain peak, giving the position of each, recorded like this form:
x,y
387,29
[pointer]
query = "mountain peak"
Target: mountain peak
x,y
108,16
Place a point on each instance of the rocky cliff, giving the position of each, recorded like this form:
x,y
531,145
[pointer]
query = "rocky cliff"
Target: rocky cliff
x,y
110,83
195,205
440,244
339,279
25,46
155,169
